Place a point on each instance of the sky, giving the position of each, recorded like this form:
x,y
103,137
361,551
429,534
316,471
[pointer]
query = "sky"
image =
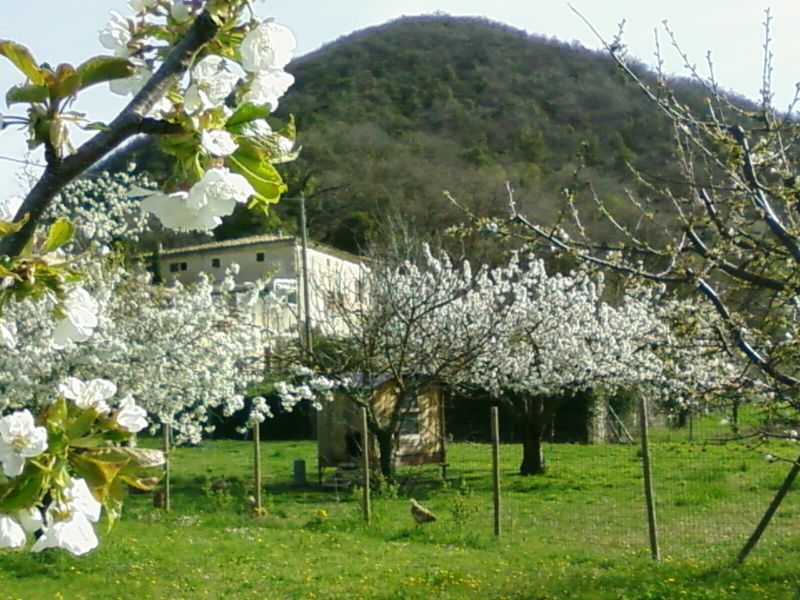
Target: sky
x,y
732,30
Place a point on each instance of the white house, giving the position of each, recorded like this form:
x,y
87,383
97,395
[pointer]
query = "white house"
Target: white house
x,y
331,275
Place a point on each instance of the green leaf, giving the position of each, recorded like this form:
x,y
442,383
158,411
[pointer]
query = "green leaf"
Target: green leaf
x,y
68,82
56,414
246,113
264,178
23,60
78,427
7,227
145,458
88,441
60,233
144,484
99,69
23,491
96,126
290,129
98,473
114,501
27,93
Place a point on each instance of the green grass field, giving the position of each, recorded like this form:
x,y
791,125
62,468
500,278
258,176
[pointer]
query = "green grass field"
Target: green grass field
x,y
577,532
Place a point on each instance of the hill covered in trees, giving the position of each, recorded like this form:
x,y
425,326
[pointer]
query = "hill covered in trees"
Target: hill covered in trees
x,y
391,116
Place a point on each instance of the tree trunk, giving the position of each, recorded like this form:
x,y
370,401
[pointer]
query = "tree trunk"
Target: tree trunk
x,y
534,422
387,451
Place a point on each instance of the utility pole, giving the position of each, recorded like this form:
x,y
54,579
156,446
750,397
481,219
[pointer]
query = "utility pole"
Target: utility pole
x,y
307,343
304,261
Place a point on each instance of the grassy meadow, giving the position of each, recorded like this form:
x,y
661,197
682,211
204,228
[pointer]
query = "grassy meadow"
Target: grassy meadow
x,y
577,532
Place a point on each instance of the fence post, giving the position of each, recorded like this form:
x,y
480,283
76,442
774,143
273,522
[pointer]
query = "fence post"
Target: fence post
x,y
166,431
257,466
648,481
365,464
496,469
773,506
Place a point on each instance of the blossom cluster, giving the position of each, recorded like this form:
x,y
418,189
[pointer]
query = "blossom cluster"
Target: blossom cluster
x,y
165,363
40,492
222,105
516,328
101,208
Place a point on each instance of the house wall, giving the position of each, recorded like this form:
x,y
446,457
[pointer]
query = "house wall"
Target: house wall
x,y
333,284
279,262
328,274
342,417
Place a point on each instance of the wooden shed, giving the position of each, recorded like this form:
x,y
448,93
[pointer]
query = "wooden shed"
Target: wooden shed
x,y
420,438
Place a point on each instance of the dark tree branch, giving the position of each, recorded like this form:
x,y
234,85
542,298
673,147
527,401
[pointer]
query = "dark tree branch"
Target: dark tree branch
x,y
761,201
743,344
733,270
129,122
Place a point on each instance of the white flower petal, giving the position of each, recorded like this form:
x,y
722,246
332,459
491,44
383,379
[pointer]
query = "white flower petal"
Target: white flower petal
x,y
81,499
7,338
30,519
130,417
12,535
71,388
217,142
76,535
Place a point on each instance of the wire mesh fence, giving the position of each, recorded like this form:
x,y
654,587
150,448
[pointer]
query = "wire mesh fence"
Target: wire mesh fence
x,y
710,492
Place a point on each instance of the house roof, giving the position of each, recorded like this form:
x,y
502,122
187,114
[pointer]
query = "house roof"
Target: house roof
x,y
256,241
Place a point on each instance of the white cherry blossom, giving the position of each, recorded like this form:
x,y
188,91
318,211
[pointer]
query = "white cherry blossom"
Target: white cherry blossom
x,y
268,87
268,46
68,522
80,321
174,212
219,191
78,497
117,35
212,82
20,438
69,530
130,417
91,395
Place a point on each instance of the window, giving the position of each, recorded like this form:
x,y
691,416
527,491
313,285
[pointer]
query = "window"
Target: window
x,y
409,423
409,417
184,266
174,267
215,263
260,257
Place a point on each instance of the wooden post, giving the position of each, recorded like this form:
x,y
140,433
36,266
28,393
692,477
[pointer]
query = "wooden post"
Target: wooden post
x,y
773,506
443,434
365,464
257,466
648,482
167,432
496,468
